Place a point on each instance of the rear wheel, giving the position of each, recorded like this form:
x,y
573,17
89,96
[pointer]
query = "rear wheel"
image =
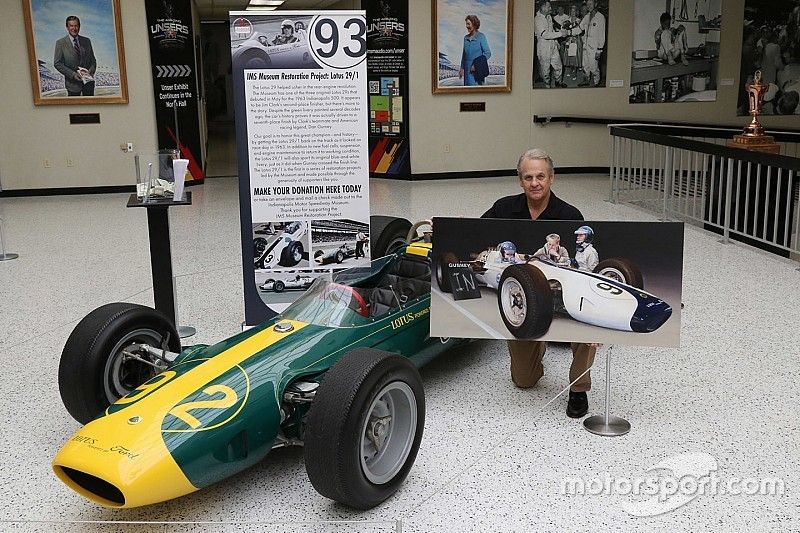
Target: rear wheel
x,y
621,270
443,271
339,257
364,428
279,286
525,301
387,235
94,371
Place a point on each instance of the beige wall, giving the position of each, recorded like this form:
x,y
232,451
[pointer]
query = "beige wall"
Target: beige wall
x,y
30,134
494,139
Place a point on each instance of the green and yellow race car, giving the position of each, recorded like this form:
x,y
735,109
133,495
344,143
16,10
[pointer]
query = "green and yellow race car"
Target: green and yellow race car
x,y
335,372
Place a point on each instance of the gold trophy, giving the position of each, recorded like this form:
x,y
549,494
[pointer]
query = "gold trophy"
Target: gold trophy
x,y
753,137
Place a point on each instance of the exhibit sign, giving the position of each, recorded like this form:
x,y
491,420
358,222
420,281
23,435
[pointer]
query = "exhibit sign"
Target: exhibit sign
x,y
387,70
300,96
172,59
567,281
676,47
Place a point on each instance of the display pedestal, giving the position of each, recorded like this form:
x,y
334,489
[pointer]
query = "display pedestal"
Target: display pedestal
x,y
161,254
761,143
605,424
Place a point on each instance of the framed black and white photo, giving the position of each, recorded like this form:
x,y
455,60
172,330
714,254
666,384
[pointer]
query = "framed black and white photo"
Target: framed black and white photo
x,y
471,46
75,51
570,43
771,44
675,56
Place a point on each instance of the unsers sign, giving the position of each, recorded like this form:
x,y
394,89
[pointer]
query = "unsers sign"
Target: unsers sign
x,y
300,89
172,56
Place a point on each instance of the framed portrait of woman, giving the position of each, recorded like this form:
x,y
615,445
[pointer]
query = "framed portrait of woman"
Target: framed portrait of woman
x,y
471,46
75,51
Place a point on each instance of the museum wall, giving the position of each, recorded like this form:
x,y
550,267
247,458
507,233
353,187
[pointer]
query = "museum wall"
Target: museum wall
x,y
493,140
31,134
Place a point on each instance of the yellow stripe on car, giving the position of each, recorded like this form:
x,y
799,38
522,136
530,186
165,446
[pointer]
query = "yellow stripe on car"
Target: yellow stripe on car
x,y
126,448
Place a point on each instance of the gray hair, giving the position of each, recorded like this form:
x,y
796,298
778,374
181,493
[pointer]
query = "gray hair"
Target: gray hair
x,y
534,154
553,237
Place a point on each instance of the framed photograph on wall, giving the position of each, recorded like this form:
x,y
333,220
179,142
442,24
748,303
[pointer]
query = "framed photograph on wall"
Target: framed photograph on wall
x,y
75,51
676,46
471,46
570,43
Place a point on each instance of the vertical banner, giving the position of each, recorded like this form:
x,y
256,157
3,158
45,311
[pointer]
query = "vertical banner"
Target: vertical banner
x,y
300,94
174,79
387,68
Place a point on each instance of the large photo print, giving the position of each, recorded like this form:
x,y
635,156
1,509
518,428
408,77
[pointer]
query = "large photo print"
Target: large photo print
x,y
771,43
471,45
568,281
569,39
675,55
75,49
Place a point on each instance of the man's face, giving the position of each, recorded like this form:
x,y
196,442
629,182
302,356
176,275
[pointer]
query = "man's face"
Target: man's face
x,y
73,27
580,237
536,179
546,8
590,5
553,245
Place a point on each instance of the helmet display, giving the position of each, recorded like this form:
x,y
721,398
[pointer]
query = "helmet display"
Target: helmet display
x,y
287,24
587,232
508,251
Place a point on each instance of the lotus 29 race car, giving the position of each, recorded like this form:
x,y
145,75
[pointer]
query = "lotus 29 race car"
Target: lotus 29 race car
x,y
280,285
530,290
335,372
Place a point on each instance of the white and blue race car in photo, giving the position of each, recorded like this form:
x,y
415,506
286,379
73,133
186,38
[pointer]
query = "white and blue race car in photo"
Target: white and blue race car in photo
x,y
286,249
530,290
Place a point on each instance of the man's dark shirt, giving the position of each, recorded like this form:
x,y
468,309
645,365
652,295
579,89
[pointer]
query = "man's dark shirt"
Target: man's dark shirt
x,y
516,206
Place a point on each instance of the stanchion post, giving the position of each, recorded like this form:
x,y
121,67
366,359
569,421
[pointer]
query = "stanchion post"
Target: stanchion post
x,y
5,256
607,425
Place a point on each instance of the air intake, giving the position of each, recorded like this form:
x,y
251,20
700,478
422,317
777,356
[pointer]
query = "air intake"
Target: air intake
x,y
94,487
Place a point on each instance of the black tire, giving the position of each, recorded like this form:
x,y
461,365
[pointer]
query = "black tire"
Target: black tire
x,y
339,256
526,287
254,59
387,235
443,271
278,286
621,270
260,245
333,436
290,254
86,377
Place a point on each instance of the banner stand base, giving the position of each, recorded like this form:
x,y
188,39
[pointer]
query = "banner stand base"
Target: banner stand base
x,y
186,331
8,257
606,425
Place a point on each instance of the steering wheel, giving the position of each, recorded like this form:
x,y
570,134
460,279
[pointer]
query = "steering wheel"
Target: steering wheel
x,y
412,232
345,291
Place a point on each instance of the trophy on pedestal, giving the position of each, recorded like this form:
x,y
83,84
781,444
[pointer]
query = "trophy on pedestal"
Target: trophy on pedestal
x,y
753,137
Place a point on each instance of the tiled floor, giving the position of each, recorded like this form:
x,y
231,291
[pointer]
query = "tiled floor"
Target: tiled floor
x,y
494,458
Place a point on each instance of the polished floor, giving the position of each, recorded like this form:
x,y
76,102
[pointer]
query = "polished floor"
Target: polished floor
x,y
493,457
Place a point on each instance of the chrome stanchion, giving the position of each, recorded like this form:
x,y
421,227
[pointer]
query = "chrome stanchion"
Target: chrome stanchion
x,y
5,256
606,424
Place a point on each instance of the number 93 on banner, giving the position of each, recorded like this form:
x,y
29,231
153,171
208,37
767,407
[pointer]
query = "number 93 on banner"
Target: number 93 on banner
x,y
339,41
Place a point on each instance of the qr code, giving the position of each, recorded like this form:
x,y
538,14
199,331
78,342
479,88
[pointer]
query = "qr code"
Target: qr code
x,y
374,87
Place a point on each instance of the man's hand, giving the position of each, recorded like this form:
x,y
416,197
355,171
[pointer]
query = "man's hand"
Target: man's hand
x,y
77,77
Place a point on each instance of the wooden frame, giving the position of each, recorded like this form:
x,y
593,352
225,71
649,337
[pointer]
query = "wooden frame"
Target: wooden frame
x,y
45,27
447,16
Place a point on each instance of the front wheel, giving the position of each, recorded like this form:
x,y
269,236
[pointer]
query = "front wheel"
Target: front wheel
x,y
279,286
292,254
443,271
525,301
94,371
621,270
364,428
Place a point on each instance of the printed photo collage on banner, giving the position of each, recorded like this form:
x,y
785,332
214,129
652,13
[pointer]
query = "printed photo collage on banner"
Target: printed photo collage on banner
x,y
300,82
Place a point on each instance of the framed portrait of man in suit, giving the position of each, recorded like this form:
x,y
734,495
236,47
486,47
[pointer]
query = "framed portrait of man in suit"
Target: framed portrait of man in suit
x,y
75,51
